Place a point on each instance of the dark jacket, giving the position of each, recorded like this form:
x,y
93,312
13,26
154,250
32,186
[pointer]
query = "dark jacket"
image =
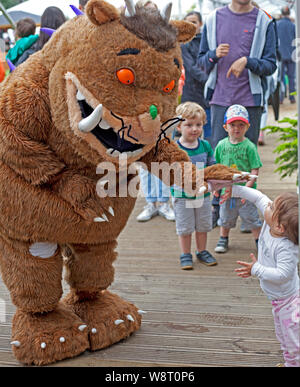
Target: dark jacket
x,y
26,54
195,78
286,34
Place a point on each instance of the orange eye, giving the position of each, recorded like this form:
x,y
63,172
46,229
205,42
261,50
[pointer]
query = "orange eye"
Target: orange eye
x,y
169,87
126,76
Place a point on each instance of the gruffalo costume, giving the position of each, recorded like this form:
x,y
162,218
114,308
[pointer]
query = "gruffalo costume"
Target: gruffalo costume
x,y
104,85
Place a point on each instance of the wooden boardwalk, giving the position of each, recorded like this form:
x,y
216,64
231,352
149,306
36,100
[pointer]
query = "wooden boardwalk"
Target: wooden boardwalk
x,y
205,317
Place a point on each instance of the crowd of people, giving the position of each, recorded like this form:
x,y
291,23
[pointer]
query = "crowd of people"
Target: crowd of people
x,y
228,79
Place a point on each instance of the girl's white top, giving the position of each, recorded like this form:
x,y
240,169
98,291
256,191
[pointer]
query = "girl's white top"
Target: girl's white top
x,y
276,265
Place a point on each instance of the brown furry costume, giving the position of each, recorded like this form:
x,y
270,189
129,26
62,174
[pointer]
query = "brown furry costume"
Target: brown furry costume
x,y
48,199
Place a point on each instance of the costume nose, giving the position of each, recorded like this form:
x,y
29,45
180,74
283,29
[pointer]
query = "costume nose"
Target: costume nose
x,y
153,112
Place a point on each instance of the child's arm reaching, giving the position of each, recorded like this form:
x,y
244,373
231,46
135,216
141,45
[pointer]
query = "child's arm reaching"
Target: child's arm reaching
x,y
260,200
284,271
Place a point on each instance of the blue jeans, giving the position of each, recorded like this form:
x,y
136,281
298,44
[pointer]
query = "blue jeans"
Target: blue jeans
x,y
153,188
289,69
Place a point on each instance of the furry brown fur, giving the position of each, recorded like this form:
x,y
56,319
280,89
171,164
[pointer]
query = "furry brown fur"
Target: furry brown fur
x,y
48,176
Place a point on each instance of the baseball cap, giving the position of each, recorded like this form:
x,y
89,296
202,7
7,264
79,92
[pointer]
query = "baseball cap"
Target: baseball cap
x,y
235,113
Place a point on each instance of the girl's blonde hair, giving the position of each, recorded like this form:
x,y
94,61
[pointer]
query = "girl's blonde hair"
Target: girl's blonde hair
x,y
188,110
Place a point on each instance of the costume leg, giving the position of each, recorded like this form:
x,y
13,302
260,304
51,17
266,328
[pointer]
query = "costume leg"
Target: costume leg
x,y
42,330
89,272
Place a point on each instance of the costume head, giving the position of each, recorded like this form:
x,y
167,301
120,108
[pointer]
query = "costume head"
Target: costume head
x,y
116,79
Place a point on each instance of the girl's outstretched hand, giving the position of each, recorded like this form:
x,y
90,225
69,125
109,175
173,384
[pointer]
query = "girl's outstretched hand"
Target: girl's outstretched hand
x,y
245,271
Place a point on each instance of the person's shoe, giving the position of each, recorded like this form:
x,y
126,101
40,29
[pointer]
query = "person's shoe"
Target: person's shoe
x,y
261,140
293,101
244,230
222,245
186,261
166,211
280,365
148,212
206,258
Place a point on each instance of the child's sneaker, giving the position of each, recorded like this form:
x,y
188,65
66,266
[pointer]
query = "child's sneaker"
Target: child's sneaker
x,y
148,212
206,258
222,245
186,261
166,211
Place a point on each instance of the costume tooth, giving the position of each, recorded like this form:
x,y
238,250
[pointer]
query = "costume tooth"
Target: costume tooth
x,y
130,318
80,96
118,322
82,327
89,123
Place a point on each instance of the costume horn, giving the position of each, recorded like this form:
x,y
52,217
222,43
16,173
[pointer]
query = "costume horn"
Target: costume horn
x,y
76,10
130,8
48,31
166,12
10,65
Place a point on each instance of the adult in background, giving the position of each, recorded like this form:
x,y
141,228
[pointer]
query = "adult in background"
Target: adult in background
x,y
238,51
287,33
237,60
53,18
195,78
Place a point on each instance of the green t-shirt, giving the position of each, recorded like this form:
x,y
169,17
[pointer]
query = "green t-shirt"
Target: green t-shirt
x,y
243,156
202,156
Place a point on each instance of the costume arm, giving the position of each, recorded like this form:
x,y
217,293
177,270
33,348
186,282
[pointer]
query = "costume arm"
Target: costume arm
x,y
285,267
254,196
266,65
24,122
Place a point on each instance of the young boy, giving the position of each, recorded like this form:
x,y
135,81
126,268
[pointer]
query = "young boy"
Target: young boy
x,y
189,219
25,38
239,152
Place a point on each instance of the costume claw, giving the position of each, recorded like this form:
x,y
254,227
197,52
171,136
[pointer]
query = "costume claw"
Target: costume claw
x,y
105,218
94,330
130,318
245,173
62,339
98,220
43,345
16,343
111,211
202,190
118,322
253,176
236,176
141,312
82,327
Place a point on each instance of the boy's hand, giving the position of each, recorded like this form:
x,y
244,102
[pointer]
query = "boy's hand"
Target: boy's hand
x,y
245,271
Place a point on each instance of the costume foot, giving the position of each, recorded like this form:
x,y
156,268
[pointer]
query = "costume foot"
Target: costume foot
x,y
45,338
109,318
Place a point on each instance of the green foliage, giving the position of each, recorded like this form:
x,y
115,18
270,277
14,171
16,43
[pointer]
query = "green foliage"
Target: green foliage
x,y
10,3
288,149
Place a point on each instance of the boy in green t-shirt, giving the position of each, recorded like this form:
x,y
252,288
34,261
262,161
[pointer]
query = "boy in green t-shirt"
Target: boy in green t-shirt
x,y
239,152
193,214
